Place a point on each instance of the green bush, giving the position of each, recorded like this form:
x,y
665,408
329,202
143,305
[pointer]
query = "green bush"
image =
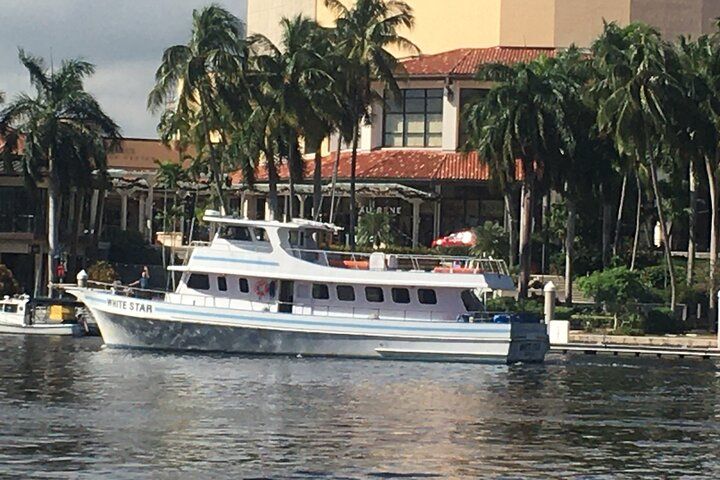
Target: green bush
x,y
129,246
661,321
509,304
8,284
563,313
490,240
102,271
590,322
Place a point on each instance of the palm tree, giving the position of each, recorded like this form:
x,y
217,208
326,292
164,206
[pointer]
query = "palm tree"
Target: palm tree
x,y
641,100
198,74
365,32
522,120
65,132
699,138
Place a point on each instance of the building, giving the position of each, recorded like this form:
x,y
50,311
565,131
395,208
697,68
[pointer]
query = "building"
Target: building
x,y
127,205
416,143
450,24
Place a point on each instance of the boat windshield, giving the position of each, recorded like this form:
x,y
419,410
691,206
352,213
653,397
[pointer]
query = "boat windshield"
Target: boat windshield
x,y
471,301
9,307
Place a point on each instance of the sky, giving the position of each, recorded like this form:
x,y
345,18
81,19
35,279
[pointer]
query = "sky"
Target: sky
x,y
125,40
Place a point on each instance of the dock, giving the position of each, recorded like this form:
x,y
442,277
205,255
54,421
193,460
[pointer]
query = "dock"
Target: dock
x,y
635,350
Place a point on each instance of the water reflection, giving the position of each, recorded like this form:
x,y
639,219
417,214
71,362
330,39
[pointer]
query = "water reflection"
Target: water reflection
x,y
70,408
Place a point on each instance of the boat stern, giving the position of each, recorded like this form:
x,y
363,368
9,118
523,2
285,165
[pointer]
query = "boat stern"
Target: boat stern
x,y
529,342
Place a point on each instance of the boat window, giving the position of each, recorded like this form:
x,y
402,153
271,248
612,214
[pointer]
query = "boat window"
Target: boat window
x,y
260,235
222,284
198,282
297,238
400,295
427,296
9,308
471,301
244,286
230,232
346,293
374,294
320,291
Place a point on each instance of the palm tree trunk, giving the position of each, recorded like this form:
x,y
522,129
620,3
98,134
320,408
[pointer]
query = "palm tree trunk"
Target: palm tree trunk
x,y
272,184
618,220
569,250
53,224
214,164
663,232
353,200
317,184
291,180
714,231
606,230
334,178
638,214
527,202
692,220
512,228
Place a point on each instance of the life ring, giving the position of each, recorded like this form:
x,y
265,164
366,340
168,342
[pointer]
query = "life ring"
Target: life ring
x,y
262,288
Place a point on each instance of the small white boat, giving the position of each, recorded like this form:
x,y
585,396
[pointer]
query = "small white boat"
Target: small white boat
x,y
16,317
267,287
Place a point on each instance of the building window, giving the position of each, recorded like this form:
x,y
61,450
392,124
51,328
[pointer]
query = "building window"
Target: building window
x,y
427,296
346,293
320,291
468,98
222,284
400,295
415,119
374,294
244,286
198,282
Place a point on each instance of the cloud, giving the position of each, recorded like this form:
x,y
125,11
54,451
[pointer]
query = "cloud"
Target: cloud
x,y
124,39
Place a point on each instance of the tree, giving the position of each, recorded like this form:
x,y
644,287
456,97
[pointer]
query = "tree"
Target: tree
x,y
65,133
294,81
522,120
641,103
365,31
200,74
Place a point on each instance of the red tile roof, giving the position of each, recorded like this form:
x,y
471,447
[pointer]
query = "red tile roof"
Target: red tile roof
x,y
396,164
465,61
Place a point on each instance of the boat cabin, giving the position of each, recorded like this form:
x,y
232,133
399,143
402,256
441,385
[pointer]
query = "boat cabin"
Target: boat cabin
x,y
287,267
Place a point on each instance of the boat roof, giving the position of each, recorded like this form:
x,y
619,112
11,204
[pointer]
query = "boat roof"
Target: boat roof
x,y
294,224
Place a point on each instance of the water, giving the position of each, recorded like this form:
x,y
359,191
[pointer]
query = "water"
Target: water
x,y
72,409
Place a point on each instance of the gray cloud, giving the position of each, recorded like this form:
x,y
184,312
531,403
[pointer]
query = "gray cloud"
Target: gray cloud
x,y
123,38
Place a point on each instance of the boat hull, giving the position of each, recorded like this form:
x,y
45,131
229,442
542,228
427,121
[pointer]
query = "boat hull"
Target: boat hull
x,y
74,330
222,330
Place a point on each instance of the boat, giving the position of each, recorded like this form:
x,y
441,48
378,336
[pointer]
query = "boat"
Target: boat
x,y
16,316
268,287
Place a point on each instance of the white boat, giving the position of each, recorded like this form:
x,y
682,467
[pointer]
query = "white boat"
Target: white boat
x,y
16,317
267,287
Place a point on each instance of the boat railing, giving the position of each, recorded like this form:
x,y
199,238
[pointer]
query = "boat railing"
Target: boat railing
x,y
403,261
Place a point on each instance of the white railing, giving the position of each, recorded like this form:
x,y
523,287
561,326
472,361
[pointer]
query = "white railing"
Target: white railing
x,y
405,262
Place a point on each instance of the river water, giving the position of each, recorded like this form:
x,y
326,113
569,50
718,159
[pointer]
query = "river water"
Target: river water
x,y
70,408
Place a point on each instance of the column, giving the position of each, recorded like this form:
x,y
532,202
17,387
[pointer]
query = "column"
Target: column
x,y
123,210
268,212
94,207
450,117
301,202
436,218
149,209
416,202
141,213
